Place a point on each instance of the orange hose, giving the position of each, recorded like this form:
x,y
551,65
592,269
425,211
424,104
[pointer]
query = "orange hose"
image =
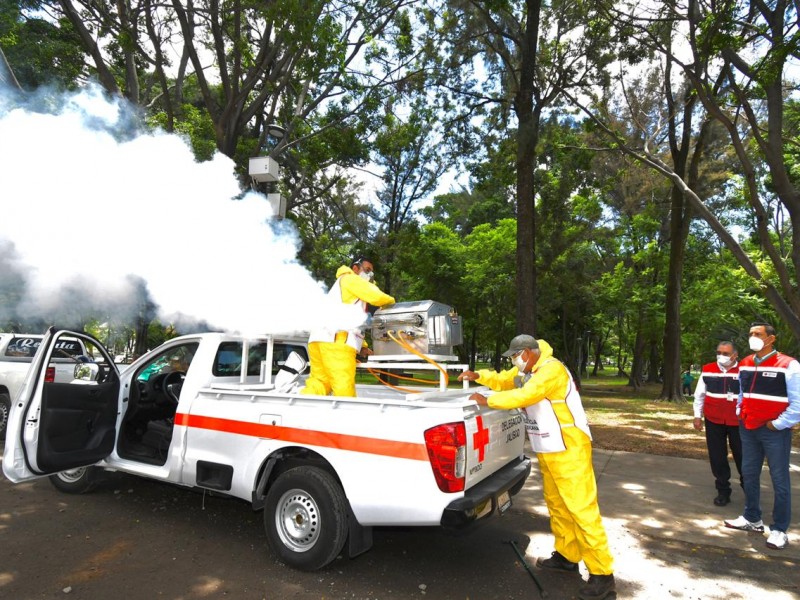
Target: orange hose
x,y
402,341
389,385
415,379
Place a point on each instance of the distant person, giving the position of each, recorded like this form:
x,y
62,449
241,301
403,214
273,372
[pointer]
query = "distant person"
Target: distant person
x,y
686,381
559,434
332,354
769,406
715,399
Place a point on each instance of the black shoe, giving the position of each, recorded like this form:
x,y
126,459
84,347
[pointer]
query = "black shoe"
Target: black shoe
x,y
722,499
558,562
598,587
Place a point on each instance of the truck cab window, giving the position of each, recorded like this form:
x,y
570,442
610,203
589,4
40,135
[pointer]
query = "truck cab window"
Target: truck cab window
x,y
228,361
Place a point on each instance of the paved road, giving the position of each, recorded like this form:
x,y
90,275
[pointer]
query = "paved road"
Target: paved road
x,y
132,539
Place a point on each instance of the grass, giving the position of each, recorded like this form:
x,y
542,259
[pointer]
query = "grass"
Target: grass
x,y
621,419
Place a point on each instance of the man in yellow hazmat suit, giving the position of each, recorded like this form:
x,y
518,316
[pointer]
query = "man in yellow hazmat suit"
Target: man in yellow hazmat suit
x,y
332,354
559,434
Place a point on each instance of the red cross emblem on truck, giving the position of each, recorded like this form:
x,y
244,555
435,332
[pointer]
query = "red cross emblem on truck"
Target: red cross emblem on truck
x,y
480,439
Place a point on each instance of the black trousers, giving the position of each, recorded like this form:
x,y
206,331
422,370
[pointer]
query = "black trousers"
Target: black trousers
x,y
718,438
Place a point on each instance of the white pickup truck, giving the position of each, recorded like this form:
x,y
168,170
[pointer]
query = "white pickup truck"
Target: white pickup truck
x,y
222,413
16,354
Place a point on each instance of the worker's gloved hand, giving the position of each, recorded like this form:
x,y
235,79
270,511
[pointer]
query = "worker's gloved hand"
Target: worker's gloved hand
x,y
468,376
480,399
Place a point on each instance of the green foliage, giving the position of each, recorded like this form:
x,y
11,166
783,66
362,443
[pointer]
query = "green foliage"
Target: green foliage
x,y
39,51
489,277
196,125
719,301
791,147
473,274
431,265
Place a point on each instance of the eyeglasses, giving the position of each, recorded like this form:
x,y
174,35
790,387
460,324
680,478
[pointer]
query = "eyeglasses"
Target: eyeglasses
x,y
516,354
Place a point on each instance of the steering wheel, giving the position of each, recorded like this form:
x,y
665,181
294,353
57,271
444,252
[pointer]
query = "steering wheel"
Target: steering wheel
x,y
171,385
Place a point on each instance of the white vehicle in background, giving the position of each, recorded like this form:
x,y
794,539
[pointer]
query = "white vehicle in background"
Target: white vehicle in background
x,y
223,413
16,355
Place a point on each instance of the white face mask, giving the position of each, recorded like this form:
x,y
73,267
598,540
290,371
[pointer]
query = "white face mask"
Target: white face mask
x,y
519,362
366,276
724,361
756,343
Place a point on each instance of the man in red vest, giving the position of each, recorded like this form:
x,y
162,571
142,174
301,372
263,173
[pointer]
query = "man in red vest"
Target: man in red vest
x,y
715,398
769,406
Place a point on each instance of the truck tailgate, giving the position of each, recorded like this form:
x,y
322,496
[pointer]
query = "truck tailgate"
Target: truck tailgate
x,y
494,438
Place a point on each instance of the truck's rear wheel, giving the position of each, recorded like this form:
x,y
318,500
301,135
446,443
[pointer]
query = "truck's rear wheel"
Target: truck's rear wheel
x,y
76,481
5,408
305,516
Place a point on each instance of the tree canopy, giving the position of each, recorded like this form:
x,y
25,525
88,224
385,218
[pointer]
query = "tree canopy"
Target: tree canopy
x,y
624,175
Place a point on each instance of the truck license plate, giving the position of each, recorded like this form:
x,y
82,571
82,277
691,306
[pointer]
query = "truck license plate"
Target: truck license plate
x,y
503,502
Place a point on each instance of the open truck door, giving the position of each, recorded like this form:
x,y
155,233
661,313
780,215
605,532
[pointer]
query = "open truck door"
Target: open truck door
x,y
56,426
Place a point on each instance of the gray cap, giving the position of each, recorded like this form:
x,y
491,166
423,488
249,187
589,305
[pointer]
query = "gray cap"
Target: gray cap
x,y
521,342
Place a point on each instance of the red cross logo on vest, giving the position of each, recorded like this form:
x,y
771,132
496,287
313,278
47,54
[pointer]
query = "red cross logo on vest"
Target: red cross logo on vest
x,y
480,439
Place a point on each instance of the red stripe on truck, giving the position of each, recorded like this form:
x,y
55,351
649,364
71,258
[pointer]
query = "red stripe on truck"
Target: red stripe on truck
x,y
309,437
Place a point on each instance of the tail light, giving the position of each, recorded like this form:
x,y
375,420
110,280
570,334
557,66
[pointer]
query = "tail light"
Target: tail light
x,y
447,451
50,375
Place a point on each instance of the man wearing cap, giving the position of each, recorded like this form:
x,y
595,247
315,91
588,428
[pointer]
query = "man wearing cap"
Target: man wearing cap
x,y
332,354
559,434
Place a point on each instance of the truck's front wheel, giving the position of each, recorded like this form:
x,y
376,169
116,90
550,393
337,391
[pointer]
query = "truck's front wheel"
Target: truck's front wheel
x,y
5,408
305,516
75,481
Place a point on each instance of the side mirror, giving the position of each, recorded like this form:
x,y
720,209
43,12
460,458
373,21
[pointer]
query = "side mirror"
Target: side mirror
x,y
87,372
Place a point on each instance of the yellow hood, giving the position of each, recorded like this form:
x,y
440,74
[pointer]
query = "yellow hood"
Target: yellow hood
x,y
546,351
344,271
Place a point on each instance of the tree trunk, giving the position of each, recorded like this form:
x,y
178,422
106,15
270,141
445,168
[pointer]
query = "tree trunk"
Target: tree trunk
x,y
653,364
528,113
639,345
141,336
598,353
87,37
671,387
473,337
680,218
583,363
497,360
7,77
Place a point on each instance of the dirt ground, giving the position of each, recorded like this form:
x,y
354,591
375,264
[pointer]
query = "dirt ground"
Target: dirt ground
x,y
137,539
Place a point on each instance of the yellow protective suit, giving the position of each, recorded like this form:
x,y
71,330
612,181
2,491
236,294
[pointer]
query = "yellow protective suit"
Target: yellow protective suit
x,y
333,364
570,489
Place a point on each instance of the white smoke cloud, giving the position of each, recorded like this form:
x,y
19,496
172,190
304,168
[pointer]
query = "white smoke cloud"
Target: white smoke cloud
x,y
89,209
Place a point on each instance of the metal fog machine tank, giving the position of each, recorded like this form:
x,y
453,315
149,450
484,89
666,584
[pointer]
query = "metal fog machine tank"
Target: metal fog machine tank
x,y
431,328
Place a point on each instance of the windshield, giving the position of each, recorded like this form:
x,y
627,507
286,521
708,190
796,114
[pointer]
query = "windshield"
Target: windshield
x,y
175,359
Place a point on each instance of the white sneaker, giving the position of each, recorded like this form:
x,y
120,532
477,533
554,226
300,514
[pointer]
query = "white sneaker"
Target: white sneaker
x,y
745,525
777,539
